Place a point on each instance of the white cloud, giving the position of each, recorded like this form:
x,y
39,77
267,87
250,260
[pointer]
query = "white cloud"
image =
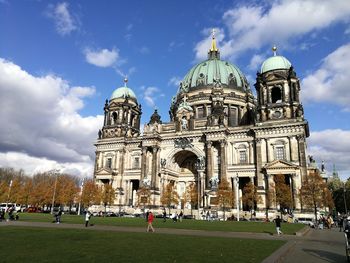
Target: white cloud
x,y
255,62
129,27
144,50
102,57
254,26
151,94
174,81
32,165
64,20
330,83
332,146
43,127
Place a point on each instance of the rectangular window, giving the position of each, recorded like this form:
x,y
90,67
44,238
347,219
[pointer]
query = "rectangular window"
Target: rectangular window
x,y
208,110
279,153
242,157
136,162
233,117
109,163
200,112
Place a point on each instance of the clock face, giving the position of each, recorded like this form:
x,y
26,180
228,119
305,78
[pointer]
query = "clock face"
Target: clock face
x,y
277,114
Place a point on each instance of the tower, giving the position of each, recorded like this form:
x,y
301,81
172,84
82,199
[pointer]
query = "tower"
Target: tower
x,y
278,88
122,114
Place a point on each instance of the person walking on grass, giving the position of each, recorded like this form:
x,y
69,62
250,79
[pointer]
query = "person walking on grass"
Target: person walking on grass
x,y
164,215
278,225
87,218
150,221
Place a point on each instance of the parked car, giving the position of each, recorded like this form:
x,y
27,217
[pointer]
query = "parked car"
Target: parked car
x,y
32,209
306,221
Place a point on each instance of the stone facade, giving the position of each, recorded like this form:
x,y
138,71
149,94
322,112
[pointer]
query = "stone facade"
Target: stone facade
x,y
217,130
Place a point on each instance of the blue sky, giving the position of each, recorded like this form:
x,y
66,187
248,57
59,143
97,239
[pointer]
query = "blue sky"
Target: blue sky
x,y
60,60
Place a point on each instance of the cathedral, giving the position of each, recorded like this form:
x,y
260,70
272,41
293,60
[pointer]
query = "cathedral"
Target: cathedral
x,y
218,130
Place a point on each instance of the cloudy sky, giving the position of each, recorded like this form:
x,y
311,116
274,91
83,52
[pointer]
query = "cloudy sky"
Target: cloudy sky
x,y
59,62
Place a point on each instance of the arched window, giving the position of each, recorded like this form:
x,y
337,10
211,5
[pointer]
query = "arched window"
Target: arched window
x,y
115,117
276,95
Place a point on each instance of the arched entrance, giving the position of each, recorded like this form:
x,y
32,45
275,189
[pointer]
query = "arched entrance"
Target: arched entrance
x,y
186,173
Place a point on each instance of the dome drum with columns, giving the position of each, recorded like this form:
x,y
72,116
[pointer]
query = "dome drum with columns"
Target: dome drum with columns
x,y
217,131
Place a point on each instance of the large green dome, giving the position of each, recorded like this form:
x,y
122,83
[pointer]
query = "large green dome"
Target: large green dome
x,y
275,62
123,92
213,70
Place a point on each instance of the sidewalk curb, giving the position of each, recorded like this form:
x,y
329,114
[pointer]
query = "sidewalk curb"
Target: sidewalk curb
x,y
280,253
303,231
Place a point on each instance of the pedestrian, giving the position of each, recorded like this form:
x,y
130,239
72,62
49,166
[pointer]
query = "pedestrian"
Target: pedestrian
x,y
164,215
278,225
208,216
341,223
58,216
147,213
174,217
180,216
150,221
87,218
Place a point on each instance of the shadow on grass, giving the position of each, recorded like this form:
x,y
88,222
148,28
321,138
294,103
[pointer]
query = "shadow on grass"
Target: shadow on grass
x,y
326,255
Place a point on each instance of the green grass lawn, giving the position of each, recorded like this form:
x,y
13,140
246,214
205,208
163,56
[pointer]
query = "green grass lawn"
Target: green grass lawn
x,y
242,226
22,244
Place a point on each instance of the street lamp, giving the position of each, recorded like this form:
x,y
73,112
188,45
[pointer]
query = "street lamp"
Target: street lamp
x,y
8,195
81,194
237,199
346,209
54,172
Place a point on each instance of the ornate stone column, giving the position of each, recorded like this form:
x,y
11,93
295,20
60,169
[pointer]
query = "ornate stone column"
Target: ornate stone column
x,y
97,161
302,156
121,166
127,190
223,159
259,174
143,164
154,167
251,156
271,191
201,187
209,163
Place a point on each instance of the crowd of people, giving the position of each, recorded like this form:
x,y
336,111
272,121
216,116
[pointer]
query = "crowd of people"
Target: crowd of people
x,y
11,214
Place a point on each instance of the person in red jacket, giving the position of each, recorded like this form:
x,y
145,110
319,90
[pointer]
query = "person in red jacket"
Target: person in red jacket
x,y
150,221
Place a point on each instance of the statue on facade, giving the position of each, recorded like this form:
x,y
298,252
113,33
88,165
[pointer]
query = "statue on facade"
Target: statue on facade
x,y
100,134
163,163
184,124
146,182
299,111
200,163
214,182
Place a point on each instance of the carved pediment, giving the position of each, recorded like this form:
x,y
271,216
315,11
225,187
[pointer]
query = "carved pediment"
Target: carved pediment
x,y
104,171
280,165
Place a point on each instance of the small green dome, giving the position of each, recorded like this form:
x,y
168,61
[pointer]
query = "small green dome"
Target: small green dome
x,y
212,70
123,92
275,62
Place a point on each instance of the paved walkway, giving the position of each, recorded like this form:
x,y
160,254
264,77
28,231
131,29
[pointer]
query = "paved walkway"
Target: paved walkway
x,y
314,246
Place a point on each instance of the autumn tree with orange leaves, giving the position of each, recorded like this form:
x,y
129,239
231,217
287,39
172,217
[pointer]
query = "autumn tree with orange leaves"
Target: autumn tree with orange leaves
x,y
314,193
225,196
191,195
250,197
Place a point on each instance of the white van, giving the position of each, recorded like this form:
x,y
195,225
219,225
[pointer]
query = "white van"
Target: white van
x,y
6,206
